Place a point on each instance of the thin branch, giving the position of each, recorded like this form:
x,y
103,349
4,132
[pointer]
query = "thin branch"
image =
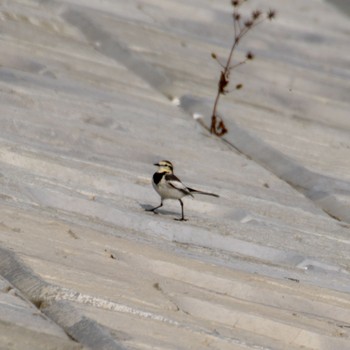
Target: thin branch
x,y
240,30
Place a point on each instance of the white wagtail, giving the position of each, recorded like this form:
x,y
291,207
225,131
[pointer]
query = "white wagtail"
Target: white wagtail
x,y
169,186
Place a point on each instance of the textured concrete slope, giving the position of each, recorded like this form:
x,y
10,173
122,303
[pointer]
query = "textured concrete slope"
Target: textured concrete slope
x,y
87,92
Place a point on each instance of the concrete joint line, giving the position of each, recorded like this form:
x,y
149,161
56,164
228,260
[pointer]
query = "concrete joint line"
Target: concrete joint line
x,y
46,297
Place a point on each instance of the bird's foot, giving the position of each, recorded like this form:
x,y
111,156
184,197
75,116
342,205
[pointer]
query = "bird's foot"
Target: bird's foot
x,y
180,219
153,210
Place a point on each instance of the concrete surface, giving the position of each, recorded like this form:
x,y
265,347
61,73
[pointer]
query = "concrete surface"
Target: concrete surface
x,y
92,94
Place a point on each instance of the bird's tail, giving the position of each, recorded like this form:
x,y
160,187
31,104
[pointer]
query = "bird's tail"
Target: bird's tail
x,y
202,192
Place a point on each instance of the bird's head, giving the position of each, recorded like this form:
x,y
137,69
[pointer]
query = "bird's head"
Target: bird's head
x,y
165,166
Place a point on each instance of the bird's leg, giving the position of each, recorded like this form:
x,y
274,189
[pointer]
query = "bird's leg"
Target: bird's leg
x,y
153,209
182,212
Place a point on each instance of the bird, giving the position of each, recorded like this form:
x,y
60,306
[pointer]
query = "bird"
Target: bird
x,y
168,186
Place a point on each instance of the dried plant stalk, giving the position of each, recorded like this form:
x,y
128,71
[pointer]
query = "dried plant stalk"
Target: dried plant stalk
x,y
241,27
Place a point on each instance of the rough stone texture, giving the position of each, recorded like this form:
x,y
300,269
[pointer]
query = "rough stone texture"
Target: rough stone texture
x,y
23,326
86,94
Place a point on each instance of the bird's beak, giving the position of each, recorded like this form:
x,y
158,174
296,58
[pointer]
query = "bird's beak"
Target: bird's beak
x,y
156,164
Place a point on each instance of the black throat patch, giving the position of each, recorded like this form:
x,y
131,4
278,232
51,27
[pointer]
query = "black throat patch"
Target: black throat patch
x,y
157,177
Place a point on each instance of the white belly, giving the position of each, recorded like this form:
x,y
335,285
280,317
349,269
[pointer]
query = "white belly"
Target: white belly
x,y
168,192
